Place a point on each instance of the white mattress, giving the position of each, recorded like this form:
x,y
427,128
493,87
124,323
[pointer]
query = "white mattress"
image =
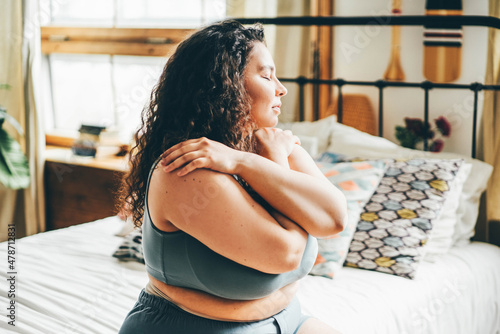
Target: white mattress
x,y
68,282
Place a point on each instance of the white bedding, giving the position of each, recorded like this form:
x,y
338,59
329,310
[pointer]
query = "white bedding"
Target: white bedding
x,y
68,282
459,293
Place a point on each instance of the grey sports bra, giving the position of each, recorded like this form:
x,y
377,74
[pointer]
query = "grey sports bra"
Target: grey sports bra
x,y
178,259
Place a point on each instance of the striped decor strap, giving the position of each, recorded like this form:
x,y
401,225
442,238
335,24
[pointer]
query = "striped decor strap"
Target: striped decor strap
x,y
443,37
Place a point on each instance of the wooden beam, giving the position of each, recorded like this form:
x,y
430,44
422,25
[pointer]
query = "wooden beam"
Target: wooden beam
x,y
109,48
116,34
323,42
113,41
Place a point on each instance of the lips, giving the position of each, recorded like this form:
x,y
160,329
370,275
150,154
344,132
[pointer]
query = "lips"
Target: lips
x,y
277,108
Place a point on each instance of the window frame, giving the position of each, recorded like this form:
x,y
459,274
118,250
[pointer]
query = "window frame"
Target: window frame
x,y
153,42
149,42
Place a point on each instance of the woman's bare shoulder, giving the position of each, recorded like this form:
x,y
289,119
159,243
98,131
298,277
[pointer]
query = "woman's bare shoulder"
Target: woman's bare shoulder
x,y
194,191
206,180
169,194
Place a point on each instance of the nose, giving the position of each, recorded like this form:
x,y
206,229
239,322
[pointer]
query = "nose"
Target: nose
x,y
280,89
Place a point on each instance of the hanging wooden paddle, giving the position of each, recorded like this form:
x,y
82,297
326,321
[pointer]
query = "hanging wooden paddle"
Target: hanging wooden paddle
x,y
443,46
394,71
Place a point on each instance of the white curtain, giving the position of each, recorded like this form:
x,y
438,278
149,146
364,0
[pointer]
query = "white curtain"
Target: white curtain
x,y
491,118
290,46
20,59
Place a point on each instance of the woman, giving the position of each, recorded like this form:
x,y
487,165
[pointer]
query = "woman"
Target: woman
x,y
229,214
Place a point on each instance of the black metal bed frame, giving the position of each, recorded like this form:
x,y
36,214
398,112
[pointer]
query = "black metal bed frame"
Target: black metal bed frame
x,y
403,20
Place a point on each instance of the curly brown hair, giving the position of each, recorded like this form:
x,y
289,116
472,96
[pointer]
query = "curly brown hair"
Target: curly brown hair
x,y
200,93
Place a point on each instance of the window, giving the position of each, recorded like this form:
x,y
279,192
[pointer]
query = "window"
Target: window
x,y
133,13
103,57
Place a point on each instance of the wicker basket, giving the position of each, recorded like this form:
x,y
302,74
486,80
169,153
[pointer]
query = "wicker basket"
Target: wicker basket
x,y
357,112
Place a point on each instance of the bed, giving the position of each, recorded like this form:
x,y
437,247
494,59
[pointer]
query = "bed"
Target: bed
x,y
68,281
75,286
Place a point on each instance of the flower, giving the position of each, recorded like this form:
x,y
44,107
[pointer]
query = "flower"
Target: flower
x,y
443,126
418,128
416,131
415,125
437,145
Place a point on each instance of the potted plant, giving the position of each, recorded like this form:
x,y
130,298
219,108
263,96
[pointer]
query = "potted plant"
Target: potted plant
x,y
14,168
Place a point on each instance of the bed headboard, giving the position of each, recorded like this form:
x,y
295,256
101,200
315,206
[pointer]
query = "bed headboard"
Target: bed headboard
x,y
407,20
381,85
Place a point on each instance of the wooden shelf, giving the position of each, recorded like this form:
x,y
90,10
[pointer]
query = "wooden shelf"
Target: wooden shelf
x,y
64,155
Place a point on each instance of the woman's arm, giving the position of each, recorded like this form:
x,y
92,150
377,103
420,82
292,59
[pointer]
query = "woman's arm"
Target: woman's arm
x,y
213,208
293,157
305,197
301,193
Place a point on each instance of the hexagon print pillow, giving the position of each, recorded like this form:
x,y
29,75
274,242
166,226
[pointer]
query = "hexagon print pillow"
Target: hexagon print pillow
x,y
396,222
357,181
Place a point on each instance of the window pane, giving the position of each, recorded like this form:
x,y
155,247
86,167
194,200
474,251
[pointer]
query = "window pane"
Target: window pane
x,y
134,78
214,10
169,13
100,90
45,96
159,13
83,12
82,91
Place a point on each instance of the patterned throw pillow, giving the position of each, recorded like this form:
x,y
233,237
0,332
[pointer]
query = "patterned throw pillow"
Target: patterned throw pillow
x,y
357,180
131,247
397,220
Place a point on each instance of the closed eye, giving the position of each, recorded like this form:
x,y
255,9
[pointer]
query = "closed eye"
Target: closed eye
x,y
267,78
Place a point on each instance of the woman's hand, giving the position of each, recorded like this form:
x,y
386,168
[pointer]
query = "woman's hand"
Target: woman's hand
x,y
201,153
275,144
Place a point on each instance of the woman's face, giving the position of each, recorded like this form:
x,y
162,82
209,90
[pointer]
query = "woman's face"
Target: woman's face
x,y
263,87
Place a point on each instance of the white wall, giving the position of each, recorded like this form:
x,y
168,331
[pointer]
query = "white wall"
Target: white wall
x,y
369,55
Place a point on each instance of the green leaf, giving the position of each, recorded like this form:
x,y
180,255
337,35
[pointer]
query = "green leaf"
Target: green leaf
x,y
406,137
14,168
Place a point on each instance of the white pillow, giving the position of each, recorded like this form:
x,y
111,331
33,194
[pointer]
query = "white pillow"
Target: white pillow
x,y
310,144
441,238
349,141
321,130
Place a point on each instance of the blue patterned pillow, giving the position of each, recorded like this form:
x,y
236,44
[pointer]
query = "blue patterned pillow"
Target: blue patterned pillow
x,y
357,180
397,220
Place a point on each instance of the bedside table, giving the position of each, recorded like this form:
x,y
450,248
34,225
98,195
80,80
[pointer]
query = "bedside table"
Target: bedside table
x,y
80,189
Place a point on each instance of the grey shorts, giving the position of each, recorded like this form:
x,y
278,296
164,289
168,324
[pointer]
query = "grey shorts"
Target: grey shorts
x,y
154,315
